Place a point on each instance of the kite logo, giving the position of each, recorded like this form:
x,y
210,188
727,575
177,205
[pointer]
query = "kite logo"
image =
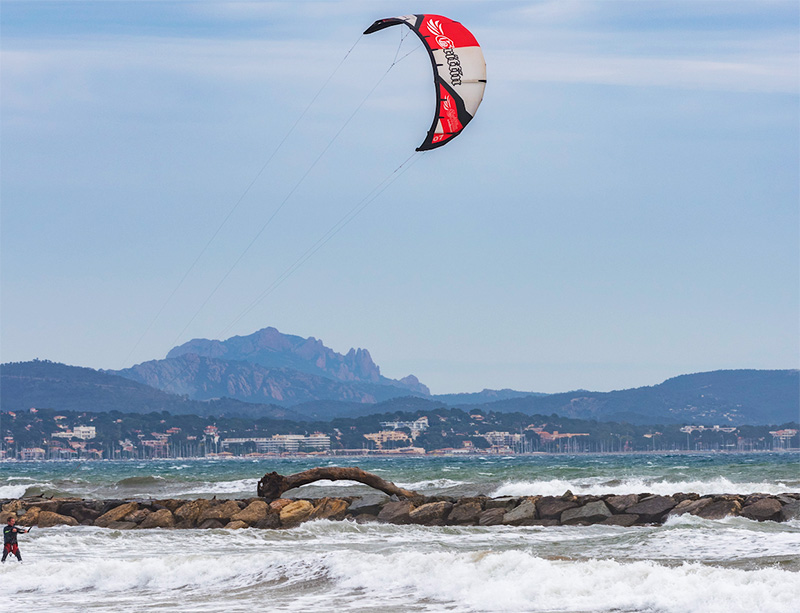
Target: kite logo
x,y
435,28
447,45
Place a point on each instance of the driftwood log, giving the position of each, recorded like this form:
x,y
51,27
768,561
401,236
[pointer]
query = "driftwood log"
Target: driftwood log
x,y
272,485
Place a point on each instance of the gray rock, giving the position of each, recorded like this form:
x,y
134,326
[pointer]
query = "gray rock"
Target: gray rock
x,y
492,517
365,518
526,510
766,509
465,512
539,522
396,512
623,519
551,507
504,502
210,524
121,525
270,522
653,508
791,511
591,513
618,504
369,504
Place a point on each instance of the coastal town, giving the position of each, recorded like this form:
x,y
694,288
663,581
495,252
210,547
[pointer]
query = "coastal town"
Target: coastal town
x,y
46,434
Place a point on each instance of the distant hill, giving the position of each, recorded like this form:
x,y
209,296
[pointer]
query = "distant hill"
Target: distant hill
x,y
733,397
272,349
205,378
44,384
482,397
718,397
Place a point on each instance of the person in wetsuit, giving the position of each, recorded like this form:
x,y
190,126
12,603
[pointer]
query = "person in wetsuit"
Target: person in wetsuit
x,y
10,532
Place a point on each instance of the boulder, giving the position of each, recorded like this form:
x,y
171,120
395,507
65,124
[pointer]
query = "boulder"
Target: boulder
x,y
137,516
766,509
190,511
330,508
504,502
539,522
211,524
31,517
163,518
690,506
296,512
79,511
790,511
236,525
170,503
48,519
365,519
4,515
277,505
492,517
110,504
116,514
397,512
431,514
13,506
222,512
465,512
719,509
252,513
525,510
121,525
652,509
623,519
618,504
551,507
46,505
270,522
369,504
590,513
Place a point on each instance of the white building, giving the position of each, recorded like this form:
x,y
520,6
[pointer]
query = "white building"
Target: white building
x,y
85,433
416,426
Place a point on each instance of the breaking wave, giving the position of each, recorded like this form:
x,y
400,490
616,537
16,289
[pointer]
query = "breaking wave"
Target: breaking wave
x,y
596,486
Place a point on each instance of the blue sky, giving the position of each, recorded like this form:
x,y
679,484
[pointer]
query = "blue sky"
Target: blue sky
x,y
623,209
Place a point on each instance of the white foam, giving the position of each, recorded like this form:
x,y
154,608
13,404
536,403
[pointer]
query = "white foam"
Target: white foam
x,y
12,491
519,581
430,484
410,567
236,486
597,485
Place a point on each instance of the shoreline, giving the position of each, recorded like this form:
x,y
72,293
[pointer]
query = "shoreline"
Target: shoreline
x,y
398,456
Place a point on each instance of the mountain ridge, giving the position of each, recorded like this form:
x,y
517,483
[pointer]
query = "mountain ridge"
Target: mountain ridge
x,y
725,397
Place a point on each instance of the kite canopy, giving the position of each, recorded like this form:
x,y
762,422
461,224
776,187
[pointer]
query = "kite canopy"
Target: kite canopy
x,y
459,72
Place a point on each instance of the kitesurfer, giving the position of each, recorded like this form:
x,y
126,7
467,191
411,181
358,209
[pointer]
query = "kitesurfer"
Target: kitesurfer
x,y
10,532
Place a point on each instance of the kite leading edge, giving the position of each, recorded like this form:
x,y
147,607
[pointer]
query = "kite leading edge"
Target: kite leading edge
x,y
459,72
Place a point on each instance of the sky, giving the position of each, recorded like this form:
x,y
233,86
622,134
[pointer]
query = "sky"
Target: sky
x,y
623,208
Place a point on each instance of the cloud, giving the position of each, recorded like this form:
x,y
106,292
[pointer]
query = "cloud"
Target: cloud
x,y
773,75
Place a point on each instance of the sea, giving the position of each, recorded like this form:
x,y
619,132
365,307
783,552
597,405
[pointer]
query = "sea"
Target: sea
x,y
688,565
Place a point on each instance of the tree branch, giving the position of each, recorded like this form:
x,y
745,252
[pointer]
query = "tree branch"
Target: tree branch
x,y
272,485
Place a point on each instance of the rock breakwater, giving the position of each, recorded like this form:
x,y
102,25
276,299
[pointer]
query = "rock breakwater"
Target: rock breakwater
x,y
565,510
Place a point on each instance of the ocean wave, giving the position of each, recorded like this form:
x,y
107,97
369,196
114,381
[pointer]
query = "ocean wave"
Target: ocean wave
x,y
14,491
143,480
520,581
470,581
236,486
429,484
597,486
